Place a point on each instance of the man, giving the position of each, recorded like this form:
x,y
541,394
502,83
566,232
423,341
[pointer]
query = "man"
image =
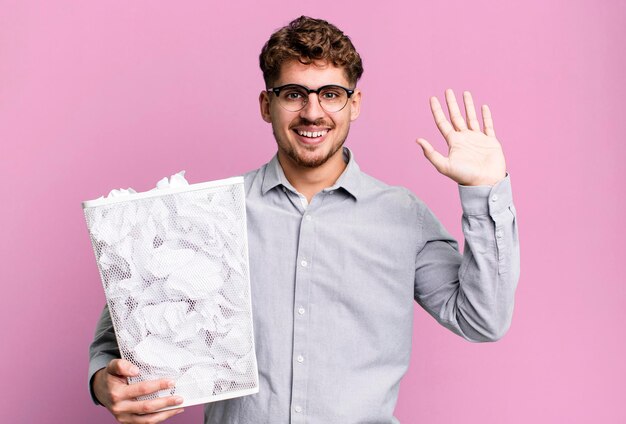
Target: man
x,y
337,257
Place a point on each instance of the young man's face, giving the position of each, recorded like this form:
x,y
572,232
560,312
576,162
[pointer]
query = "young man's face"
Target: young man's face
x,y
301,150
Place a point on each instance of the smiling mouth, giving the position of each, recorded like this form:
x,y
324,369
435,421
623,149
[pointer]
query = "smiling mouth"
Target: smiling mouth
x,y
311,134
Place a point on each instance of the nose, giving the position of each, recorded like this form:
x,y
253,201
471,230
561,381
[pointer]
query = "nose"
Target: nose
x,y
312,110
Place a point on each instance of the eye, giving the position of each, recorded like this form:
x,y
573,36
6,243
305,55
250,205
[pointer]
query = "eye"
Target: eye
x,y
332,93
293,95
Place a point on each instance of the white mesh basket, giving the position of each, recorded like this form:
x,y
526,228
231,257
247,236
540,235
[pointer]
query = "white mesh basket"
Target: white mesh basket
x,y
174,266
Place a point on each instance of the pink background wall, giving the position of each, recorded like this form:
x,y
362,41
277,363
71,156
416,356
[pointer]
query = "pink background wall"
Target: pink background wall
x,y
96,95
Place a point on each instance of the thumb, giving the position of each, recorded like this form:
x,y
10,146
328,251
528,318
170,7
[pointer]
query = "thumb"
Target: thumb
x,y
437,159
122,368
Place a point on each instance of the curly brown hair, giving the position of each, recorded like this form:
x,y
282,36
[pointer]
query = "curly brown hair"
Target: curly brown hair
x,y
307,40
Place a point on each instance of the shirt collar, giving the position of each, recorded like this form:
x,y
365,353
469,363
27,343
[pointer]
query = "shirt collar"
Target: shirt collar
x,y
349,179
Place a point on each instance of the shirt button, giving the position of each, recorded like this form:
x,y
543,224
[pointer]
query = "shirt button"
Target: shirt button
x,y
304,263
494,197
300,358
308,217
284,190
301,310
298,408
499,234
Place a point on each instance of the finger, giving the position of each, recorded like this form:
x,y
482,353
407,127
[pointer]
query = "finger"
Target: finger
x,y
455,112
150,406
488,121
437,159
470,111
122,368
157,417
148,387
444,126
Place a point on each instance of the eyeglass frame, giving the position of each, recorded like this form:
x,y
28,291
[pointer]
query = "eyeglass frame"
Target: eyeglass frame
x,y
276,90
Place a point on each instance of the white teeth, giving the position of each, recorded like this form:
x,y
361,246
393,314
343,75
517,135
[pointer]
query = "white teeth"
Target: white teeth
x,y
313,134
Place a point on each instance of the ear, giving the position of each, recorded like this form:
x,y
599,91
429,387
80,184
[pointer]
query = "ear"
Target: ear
x,y
264,104
355,105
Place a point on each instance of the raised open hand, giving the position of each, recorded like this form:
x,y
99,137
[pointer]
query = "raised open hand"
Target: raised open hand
x,y
475,157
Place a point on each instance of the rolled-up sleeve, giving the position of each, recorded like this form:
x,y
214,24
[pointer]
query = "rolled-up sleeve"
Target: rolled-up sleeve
x,y
471,294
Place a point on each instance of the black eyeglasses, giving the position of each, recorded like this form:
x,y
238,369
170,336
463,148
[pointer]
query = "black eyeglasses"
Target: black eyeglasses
x,y
294,97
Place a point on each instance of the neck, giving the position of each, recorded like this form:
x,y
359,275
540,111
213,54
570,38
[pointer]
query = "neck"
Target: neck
x,y
310,181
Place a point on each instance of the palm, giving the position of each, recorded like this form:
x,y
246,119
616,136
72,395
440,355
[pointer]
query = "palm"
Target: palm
x,y
474,157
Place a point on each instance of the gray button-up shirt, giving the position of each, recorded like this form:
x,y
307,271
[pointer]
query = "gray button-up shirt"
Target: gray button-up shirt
x,y
333,284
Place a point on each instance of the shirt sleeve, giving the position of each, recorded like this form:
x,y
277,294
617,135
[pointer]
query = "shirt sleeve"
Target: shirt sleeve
x,y
471,294
103,348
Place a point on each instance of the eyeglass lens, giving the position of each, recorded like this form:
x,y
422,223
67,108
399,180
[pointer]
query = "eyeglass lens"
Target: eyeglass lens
x,y
331,98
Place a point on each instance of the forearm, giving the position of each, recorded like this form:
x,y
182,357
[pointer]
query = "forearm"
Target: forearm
x,y
103,348
472,295
491,261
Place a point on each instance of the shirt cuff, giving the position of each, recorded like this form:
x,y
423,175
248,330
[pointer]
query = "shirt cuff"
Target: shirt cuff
x,y
486,200
95,365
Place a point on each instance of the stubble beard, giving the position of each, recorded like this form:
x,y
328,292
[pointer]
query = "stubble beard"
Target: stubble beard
x,y
292,154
